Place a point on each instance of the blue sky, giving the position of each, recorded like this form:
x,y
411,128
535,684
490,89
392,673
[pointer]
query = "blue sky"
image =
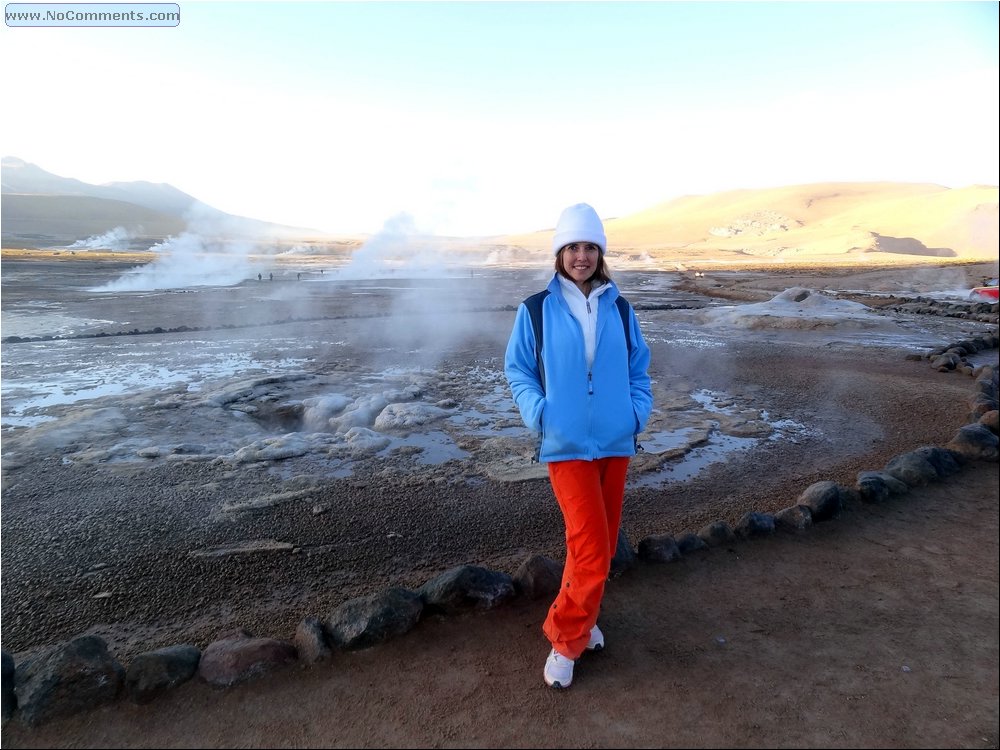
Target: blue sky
x,y
489,117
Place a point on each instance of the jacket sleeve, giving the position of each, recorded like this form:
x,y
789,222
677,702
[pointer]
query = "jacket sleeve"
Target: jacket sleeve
x,y
521,369
638,374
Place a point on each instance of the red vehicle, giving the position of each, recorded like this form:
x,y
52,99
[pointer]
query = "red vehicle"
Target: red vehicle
x,y
989,291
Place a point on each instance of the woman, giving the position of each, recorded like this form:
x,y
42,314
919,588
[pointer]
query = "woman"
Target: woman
x,y
587,392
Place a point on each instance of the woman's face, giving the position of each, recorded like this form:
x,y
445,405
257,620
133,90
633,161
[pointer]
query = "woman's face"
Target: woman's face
x,y
579,260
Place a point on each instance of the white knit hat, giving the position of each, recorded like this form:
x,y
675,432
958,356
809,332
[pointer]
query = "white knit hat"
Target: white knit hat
x,y
579,223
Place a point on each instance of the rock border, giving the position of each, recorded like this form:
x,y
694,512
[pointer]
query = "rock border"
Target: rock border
x,y
81,674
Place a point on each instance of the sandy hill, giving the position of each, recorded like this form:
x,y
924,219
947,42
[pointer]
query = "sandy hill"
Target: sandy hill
x,y
851,222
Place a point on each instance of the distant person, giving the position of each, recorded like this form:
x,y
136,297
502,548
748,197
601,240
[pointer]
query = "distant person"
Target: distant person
x,y
259,277
588,395
270,277
298,277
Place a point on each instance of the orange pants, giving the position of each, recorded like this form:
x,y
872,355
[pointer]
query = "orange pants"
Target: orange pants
x,y
590,494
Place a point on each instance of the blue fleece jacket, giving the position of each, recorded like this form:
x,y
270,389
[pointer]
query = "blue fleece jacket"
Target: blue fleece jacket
x,y
580,414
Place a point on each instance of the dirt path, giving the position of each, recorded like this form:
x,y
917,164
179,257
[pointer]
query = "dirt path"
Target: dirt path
x,y
878,629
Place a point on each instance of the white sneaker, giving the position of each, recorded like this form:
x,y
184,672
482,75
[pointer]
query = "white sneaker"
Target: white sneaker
x,y
596,642
558,670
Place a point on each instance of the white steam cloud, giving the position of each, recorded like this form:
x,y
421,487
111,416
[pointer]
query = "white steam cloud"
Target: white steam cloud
x,y
213,251
297,250
401,249
115,240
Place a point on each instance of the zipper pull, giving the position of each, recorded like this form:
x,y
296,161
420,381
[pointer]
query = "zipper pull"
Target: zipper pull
x,y
590,383
588,307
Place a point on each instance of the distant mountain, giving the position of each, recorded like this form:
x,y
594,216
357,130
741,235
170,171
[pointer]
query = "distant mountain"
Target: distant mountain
x,y
61,220
41,208
20,177
849,221
853,222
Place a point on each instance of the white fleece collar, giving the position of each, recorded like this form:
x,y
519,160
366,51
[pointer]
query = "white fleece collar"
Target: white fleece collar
x,y
584,312
570,288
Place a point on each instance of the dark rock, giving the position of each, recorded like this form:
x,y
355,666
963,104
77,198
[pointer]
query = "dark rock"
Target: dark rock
x,y
986,386
913,468
239,656
689,542
659,548
945,362
467,587
895,486
754,524
538,576
974,441
987,380
625,557
367,620
981,403
8,698
794,518
67,679
717,534
311,641
943,460
825,500
153,673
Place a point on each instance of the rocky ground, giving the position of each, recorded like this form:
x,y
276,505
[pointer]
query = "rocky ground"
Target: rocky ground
x,y
144,537
141,555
